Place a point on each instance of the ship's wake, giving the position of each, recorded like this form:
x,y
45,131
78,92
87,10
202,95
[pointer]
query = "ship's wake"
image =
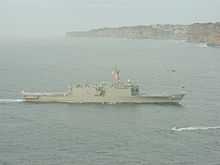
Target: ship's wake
x,y
6,101
194,128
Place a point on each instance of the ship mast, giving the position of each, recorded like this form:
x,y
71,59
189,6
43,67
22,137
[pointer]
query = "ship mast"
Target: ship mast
x,y
115,75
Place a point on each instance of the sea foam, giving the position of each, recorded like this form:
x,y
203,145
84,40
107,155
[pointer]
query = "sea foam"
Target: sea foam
x,y
194,128
5,101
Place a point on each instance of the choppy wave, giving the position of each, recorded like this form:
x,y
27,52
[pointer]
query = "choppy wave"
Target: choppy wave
x,y
5,101
194,128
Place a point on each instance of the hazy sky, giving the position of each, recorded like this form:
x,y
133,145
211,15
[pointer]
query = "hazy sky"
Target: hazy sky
x,y
55,17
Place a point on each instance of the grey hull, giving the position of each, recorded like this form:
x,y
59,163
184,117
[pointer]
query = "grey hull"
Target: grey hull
x,y
109,100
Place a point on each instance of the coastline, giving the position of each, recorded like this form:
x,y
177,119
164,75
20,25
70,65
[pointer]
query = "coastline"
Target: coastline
x,y
204,33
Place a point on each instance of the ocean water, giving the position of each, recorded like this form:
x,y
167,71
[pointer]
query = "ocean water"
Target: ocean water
x,y
54,134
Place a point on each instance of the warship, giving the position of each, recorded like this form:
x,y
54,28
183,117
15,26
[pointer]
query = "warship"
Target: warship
x,y
111,93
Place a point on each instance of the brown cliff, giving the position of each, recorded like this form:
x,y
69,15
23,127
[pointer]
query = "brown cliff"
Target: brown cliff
x,y
198,32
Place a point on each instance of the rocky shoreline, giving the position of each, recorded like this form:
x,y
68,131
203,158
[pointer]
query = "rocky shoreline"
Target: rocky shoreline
x,y
208,33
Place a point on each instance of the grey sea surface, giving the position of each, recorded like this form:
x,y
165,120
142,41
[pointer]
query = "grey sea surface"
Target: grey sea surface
x,y
122,134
